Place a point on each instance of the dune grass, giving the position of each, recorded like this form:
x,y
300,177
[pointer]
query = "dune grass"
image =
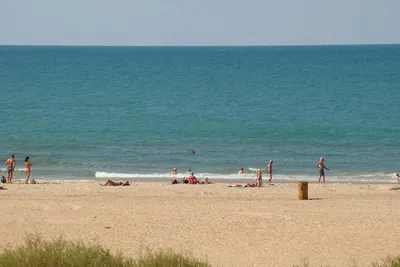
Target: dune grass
x,y
390,261
36,252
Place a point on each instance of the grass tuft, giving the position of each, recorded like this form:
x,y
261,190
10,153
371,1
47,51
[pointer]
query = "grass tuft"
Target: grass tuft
x,y
36,252
388,262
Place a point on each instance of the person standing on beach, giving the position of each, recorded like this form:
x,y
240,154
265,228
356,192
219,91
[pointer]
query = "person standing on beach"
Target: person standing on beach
x,y
259,178
321,166
269,168
10,164
27,169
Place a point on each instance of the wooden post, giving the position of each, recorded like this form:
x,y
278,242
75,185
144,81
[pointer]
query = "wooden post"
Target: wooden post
x,y
302,190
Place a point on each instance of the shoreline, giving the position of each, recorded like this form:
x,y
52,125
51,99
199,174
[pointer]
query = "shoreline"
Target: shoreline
x,y
215,181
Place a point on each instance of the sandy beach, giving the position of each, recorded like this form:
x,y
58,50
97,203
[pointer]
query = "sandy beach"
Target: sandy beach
x,y
265,226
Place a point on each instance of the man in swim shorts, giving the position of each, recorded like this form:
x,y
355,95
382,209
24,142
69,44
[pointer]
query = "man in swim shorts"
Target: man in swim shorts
x,y
10,164
321,166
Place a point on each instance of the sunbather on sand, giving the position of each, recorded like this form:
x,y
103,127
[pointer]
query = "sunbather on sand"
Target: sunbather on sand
x,y
243,185
206,181
112,183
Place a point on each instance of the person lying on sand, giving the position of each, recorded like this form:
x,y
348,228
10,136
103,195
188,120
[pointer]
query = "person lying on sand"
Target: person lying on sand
x,y
206,181
112,183
244,185
2,188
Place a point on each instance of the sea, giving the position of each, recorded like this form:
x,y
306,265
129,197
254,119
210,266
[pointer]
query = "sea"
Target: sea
x,y
134,113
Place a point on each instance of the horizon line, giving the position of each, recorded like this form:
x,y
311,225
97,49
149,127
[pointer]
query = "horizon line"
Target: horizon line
x,y
231,45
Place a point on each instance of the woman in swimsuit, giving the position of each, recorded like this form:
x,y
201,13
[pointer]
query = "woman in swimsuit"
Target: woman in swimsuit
x,y
27,169
270,171
259,178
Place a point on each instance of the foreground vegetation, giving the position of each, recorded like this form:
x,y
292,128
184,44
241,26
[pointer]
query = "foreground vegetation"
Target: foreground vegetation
x,y
388,262
37,252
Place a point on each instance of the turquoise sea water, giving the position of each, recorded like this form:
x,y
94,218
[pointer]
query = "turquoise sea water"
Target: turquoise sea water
x,y
136,112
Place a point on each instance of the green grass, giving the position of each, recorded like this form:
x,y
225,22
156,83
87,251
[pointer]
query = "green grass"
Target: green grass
x,y
36,252
387,262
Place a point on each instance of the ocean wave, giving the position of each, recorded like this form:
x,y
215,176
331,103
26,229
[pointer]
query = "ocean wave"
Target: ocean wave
x,y
349,178
17,170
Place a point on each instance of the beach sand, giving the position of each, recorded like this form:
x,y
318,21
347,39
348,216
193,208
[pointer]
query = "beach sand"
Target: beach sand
x,y
265,226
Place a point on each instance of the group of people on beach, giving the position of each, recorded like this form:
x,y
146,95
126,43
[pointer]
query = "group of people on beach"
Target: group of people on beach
x,y
11,164
191,179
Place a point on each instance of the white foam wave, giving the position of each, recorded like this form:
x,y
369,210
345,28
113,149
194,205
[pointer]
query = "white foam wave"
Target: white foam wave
x,y
18,169
347,178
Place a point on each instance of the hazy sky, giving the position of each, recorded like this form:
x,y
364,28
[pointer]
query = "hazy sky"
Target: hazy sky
x,y
199,22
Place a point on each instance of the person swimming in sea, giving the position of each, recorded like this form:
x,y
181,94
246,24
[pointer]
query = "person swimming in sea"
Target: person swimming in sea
x,y
241,170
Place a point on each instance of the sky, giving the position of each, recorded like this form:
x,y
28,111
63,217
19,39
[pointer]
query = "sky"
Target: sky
x,y
199,22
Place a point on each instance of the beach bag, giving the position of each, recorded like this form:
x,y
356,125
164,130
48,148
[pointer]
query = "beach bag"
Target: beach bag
x,y
3,179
